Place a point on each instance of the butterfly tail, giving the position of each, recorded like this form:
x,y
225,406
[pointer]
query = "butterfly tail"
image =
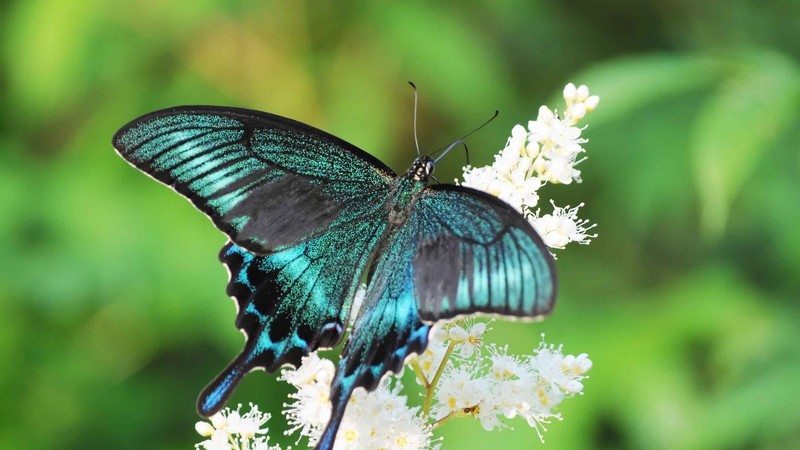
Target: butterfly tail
x,y
216,394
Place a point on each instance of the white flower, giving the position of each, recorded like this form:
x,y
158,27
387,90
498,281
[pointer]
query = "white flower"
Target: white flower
x,y
460,387
503,365
559,170
562,227
218,441
230,430
249,424
495,385
518,191
488,384
313,370
558,375
547,152
440,332
311,409
577,365
204,429
263,444
409,433
579,102
560,146
481,178
378,419
468,341
381,419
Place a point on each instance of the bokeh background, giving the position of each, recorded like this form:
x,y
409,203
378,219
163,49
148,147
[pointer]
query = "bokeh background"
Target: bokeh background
x,y
112,307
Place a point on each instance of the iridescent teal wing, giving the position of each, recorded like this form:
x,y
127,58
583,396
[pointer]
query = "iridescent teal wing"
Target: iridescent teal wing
x,y
386,330
266,181
302,208
291,302
460,252
476,254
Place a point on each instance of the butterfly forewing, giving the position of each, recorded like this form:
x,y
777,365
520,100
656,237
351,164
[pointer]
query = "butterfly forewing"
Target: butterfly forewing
x,y
266,181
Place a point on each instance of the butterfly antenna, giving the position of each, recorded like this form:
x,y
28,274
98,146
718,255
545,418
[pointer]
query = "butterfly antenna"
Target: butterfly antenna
x,y
446,150
416,141
460,140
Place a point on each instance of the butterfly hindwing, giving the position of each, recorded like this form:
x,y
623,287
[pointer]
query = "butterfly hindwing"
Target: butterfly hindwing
x,y
475,253
291,302
266,181
460,251
386,331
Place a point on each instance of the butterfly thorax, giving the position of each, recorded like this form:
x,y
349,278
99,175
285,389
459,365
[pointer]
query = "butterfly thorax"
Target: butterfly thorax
x,y
407,187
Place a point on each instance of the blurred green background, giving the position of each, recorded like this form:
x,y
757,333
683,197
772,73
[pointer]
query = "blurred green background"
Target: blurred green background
x,y
112,307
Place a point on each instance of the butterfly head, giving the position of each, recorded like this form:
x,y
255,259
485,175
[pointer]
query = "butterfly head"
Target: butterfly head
x,y
422,169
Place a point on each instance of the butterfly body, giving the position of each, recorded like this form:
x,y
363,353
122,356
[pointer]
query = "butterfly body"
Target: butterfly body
x,y
406,189
308,216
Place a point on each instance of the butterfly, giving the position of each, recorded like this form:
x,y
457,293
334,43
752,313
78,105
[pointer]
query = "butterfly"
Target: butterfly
x,y
309,216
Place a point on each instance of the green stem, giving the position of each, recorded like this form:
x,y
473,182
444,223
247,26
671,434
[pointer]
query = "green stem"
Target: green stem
x,y
233,442
429,395
420,374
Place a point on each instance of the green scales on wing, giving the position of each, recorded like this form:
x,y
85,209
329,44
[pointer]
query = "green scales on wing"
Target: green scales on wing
x,y
308,215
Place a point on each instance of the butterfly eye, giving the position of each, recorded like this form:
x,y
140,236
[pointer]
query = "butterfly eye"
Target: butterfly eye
x,y
429,166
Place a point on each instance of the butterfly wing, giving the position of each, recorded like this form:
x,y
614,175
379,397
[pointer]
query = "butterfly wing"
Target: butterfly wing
x,y
266,181
302,208
477,254
461,251
291,302
386,331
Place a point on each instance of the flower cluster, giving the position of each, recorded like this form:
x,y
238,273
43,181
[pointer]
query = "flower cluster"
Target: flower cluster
x,y
379,419
311,408
490,384
461,377
546,152
562,226
231,430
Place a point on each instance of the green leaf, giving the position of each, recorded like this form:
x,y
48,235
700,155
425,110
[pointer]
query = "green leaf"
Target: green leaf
x,y
50,49
625,85
735,128
450,45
